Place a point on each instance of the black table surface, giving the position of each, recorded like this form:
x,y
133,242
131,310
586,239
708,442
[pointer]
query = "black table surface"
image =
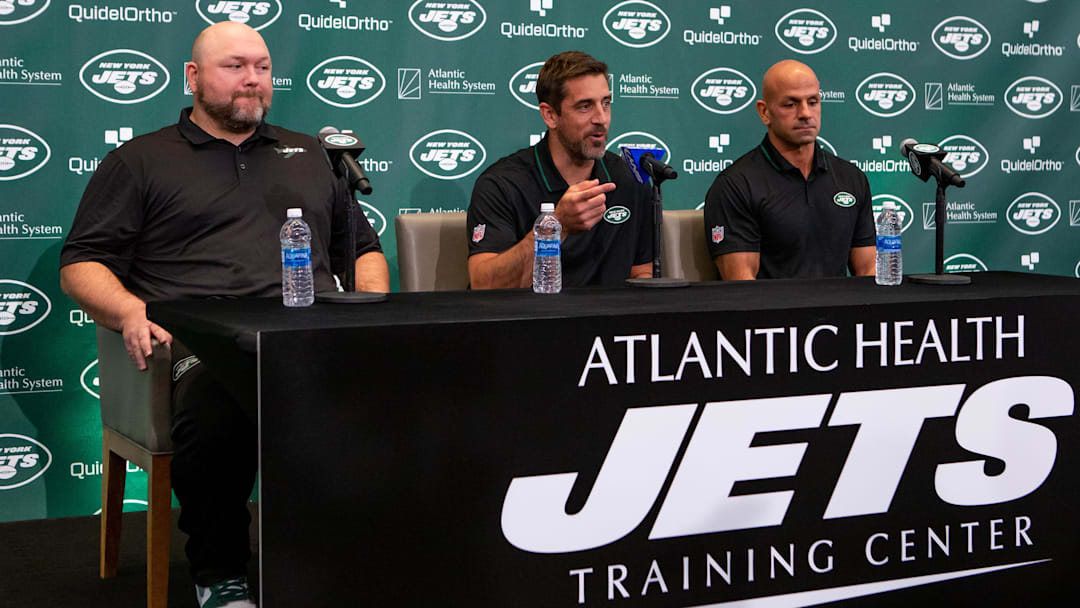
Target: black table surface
x,y
239,320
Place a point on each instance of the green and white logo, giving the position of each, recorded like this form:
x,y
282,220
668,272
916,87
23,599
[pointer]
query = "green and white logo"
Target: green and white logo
x,y
256,14
447,154
723,90
885,95
22,306
963,262
124,76
902,209
523,84
89,379
616,215
447,21
844,199
21,152
961,37
22,460
346,82
637,24
12,11
341,139
806,31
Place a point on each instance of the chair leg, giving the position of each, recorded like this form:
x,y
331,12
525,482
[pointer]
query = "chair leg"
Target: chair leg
x,y
112,505
158,532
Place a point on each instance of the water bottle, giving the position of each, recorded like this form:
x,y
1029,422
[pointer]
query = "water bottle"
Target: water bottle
x,y
297,286
890,265
547,261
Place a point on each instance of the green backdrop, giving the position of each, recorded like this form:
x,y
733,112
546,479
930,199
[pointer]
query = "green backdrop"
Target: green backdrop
x,y
996,83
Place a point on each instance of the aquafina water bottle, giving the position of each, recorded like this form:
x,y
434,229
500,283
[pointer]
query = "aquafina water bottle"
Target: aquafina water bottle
x,y
890,265
297,286
547,261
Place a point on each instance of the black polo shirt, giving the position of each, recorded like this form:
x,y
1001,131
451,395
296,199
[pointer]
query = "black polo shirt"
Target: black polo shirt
x,y
802,227
178,213
506,201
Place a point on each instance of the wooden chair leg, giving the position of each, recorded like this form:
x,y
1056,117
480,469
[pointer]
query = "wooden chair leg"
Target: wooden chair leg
x,y
158,532
112,505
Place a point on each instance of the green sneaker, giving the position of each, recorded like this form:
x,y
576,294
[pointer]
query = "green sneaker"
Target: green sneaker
x,y
229,593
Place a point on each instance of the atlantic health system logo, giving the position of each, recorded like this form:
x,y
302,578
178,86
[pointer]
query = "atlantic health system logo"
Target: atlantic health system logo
x,y
124,76
256,14
21,152
723,90
346,82
806,31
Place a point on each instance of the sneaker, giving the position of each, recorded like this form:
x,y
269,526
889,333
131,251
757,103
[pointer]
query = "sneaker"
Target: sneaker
x,y
229,593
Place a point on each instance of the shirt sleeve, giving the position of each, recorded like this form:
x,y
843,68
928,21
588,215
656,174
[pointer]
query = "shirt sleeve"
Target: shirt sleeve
x,y
865,231
730,222
108,221
366,239
491,221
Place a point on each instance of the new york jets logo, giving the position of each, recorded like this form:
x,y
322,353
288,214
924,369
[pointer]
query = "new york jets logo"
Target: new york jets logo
x,y
637,24
18,11
1033,97
961,37
523,84
21,152
826,145
1033,213
964,154
844,199
22,460
256,14
124,76
723,90
447,154
963,262
374,217
341,139
616,215
22,306
884,94
806,31
903,209
1078,156
89,379
346,82
448,21
640,140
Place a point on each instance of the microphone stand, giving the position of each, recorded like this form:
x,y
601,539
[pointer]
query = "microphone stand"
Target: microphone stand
x,y
350,295
940,277
658,223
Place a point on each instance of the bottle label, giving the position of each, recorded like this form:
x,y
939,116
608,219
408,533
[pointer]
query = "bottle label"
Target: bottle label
x,y
888,244
295,258
546,248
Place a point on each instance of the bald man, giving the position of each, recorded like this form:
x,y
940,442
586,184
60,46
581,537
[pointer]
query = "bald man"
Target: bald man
x,y
192,211
788,208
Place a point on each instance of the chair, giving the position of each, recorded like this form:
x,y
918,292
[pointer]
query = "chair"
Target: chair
x,y
433,251
684,253
135,428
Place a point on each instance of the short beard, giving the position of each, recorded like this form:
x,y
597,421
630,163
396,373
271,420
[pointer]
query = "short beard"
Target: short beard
x,y
232,118
580,150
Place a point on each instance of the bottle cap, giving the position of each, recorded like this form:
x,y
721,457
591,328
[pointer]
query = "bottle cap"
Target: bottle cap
x,y
547,207
294,212
889,205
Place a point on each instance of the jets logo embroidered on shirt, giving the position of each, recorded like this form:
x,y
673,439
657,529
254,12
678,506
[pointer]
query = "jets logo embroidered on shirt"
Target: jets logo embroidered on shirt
x,y
289,151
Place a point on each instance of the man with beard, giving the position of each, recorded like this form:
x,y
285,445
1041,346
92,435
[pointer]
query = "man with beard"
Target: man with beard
x,y
194,210
788,208
605,214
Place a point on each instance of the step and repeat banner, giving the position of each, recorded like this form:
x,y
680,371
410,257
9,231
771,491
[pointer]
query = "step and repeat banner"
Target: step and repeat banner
x,y
440,89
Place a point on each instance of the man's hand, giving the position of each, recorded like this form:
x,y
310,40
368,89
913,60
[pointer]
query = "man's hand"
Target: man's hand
x,y
138,330
582,206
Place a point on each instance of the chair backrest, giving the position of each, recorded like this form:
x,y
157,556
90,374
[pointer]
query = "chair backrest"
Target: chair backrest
x,y
135,403
685,254
433,251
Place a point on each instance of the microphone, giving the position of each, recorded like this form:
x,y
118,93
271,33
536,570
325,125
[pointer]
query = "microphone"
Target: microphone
x,y
342,149
925,161
645,163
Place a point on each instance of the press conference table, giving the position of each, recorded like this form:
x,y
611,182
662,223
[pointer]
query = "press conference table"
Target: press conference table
x,y
442,448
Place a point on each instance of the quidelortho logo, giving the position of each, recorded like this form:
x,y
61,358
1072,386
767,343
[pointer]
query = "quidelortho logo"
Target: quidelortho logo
x,y
256,14
1033,213
723,90
124,76
22,306
18,11
346,82
638,140
961,38
523,84
447,154
22,460
374,217
636,23
963,262
89,379
448,21
21,152
903,209
806,31
964,154
885,94
1033,97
